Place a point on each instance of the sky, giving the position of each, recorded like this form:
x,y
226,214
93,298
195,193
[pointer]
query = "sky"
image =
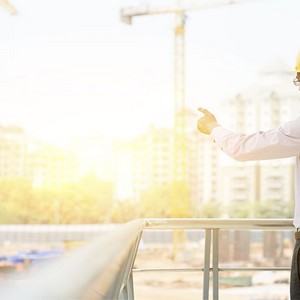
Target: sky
x,y
70,68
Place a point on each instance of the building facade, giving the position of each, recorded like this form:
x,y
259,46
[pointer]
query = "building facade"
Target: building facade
x,y
37,162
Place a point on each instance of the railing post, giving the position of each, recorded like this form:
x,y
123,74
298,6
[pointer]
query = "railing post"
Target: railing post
x,y
206,264
215,264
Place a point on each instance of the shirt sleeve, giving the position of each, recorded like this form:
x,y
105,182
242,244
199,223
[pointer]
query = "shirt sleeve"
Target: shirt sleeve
x,y
281,142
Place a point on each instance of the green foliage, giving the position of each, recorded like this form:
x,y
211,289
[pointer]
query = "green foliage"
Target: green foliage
x,y
88,201
156,202
239,209
210,210
124,211
16,201
266,209
273,209
91,201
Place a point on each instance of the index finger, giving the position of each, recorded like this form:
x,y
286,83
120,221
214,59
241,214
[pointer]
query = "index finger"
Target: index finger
x,y
203,110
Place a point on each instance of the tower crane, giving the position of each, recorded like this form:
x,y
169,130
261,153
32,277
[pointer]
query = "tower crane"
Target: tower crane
x,y
179,8
8,6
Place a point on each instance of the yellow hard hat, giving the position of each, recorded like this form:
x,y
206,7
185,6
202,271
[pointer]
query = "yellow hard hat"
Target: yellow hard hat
x,y
297,68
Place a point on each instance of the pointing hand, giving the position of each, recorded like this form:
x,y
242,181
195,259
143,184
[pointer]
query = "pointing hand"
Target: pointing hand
x,y
208,122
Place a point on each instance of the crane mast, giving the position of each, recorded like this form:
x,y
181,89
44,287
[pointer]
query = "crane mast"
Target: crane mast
x,y
180,187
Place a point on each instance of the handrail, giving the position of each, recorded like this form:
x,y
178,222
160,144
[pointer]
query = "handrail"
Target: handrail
x,y
197,223
82,274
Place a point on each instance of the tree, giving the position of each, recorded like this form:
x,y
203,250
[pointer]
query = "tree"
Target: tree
x,y
236,209
88,201
123,211
273,209
16,201
156,202
209,210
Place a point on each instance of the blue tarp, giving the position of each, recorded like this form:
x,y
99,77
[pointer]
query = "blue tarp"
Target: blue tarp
x,y
32,255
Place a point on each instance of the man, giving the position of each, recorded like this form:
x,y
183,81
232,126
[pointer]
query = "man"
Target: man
x,y
281,142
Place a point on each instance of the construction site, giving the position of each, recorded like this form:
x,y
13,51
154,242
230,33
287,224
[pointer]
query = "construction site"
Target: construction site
x,y
114,183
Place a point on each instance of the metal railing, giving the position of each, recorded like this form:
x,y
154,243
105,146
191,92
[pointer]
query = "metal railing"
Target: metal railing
x,y
212,228
104,268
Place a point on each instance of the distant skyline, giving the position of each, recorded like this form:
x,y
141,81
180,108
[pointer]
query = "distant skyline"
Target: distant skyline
x,y
71,67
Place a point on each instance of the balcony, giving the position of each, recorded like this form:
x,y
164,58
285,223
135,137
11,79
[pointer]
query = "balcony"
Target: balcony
x,y
105,267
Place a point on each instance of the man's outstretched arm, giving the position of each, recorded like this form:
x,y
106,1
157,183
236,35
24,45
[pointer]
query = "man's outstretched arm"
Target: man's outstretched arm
x,y
281,142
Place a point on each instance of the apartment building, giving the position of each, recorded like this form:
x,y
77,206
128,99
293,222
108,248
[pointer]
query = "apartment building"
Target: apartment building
x,y
48,165
151,160
20,157
13,145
